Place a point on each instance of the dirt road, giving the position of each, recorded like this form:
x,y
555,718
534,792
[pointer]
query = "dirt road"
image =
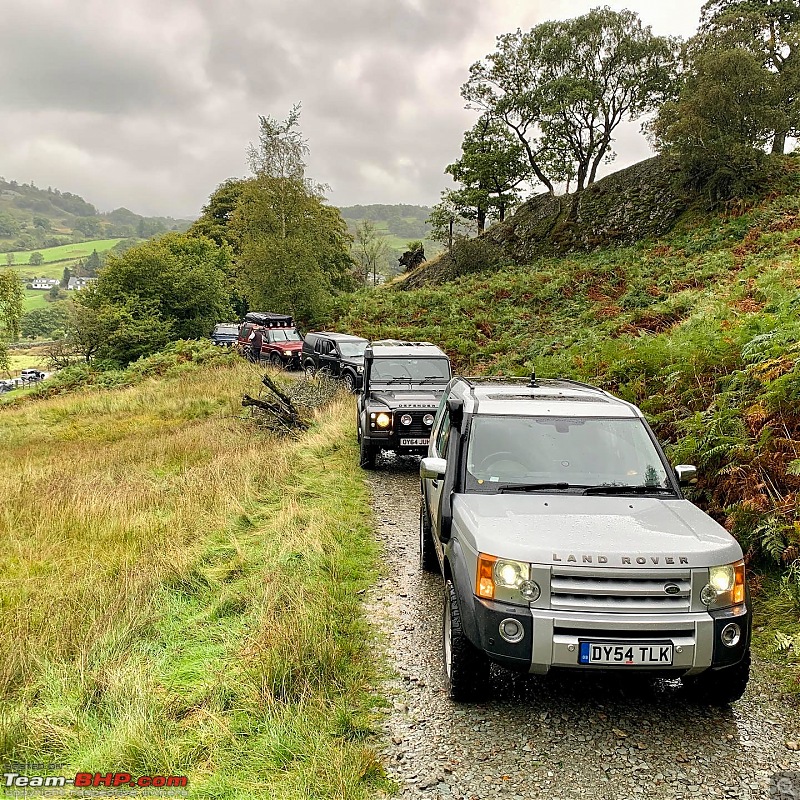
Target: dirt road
x,y
568,737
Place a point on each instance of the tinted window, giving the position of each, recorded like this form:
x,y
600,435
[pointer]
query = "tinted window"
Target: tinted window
x,y
352,349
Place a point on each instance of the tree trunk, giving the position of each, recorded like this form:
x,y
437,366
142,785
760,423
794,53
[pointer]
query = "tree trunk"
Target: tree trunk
x,y
450,235
779,142
501,209
481,221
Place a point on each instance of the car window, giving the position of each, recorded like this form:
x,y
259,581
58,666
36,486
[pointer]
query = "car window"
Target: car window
x,y
434,370
352,349
442,436
586,451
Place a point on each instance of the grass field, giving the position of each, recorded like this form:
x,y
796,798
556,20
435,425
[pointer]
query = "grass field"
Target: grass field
x,y
34,298
56,258
182,590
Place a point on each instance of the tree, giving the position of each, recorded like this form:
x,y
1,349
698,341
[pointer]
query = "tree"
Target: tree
x,y
43,322
11,296
565,86
770,30
42,222
447,219
370,249
215,221
173,287
9,227
491,166
720,123
89,226
36,259
65,276
10,259
294,251
92,264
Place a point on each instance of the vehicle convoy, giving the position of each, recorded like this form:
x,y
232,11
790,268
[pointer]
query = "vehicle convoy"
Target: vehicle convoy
x,y
402,384
264,336
338,355
565,542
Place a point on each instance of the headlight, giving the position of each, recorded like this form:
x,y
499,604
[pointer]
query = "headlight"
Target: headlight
x,y
383,420
406,419
725,586
504,579
359,370
287,352
428,419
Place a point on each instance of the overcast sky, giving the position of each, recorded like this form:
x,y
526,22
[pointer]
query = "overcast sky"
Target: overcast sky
x,y
151,104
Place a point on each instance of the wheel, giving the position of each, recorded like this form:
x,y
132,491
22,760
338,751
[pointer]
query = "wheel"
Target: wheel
x,y
368,454
466,669
309,370
349,381
720,687
427,552
275,361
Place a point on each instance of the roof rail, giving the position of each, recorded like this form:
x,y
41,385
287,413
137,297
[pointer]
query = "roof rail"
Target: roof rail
x,y
475,380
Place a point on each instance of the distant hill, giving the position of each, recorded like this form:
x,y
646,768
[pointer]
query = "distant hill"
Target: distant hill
x,y
399,224
33,219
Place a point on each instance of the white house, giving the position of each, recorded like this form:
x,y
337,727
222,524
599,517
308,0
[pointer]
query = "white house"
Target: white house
x,y
78,283
44,283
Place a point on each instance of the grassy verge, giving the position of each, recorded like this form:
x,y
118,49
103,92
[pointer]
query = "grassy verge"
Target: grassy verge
x,y
183,590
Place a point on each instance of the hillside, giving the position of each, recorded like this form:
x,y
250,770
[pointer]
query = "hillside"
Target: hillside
x,y
698,326
33,219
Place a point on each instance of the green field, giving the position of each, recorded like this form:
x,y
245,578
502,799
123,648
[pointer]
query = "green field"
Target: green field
x,y
56,258
34,298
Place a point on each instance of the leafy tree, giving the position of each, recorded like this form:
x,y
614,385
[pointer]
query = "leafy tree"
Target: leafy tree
x,y
491,166
293,249
173,287
36,259
65,276
565,86
10,259
770,30
89,226
8,225
11,295
369,249
92,264
41,222
215,221
43,322
720,123
447,219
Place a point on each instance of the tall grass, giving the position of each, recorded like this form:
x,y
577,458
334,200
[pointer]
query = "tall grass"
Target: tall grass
x,y
181,589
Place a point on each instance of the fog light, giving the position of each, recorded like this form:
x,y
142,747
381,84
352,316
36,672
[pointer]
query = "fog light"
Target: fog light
x,y
530,590
428,419
511,630
708,595
405,419
731,634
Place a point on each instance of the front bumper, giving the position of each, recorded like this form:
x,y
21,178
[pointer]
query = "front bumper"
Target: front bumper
x,y
552,638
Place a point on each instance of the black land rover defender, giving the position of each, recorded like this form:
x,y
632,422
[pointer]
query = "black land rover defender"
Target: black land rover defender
x,y
403,382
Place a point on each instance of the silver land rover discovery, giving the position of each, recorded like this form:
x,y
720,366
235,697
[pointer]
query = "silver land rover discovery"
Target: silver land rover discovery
x,y
565,542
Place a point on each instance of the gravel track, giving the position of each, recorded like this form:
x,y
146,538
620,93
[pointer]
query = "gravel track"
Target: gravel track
x,y
553,737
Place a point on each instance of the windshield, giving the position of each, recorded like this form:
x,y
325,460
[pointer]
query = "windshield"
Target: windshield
x,y
227,329
571,452
433,370
285,335
352,349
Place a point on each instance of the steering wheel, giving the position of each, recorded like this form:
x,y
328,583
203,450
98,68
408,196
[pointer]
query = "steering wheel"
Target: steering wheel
x,y
502,456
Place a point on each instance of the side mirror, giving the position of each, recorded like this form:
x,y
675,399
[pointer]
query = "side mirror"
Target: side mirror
x,y
433,468
686,474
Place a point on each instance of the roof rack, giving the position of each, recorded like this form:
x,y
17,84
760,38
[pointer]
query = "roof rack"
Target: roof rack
x,y
268,319
532,381
400,343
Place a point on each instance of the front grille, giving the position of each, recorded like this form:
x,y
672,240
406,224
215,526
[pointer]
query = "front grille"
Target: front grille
x,y
623,591
417,429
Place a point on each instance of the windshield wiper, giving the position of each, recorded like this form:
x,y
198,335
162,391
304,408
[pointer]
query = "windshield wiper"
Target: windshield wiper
x,y
532,487
437,378
613,488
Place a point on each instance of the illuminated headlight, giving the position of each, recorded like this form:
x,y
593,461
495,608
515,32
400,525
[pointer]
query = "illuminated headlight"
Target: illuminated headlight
x,y
428,419
725,586
406,419
383,420
504,579
287,352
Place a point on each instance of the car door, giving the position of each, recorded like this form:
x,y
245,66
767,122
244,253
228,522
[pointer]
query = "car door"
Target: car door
x,y
329,358
434,486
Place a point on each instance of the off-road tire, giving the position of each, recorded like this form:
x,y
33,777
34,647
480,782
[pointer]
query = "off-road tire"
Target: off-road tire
x,y
428,562
368,455
275,361
349,381
309,371
466,669
720,687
